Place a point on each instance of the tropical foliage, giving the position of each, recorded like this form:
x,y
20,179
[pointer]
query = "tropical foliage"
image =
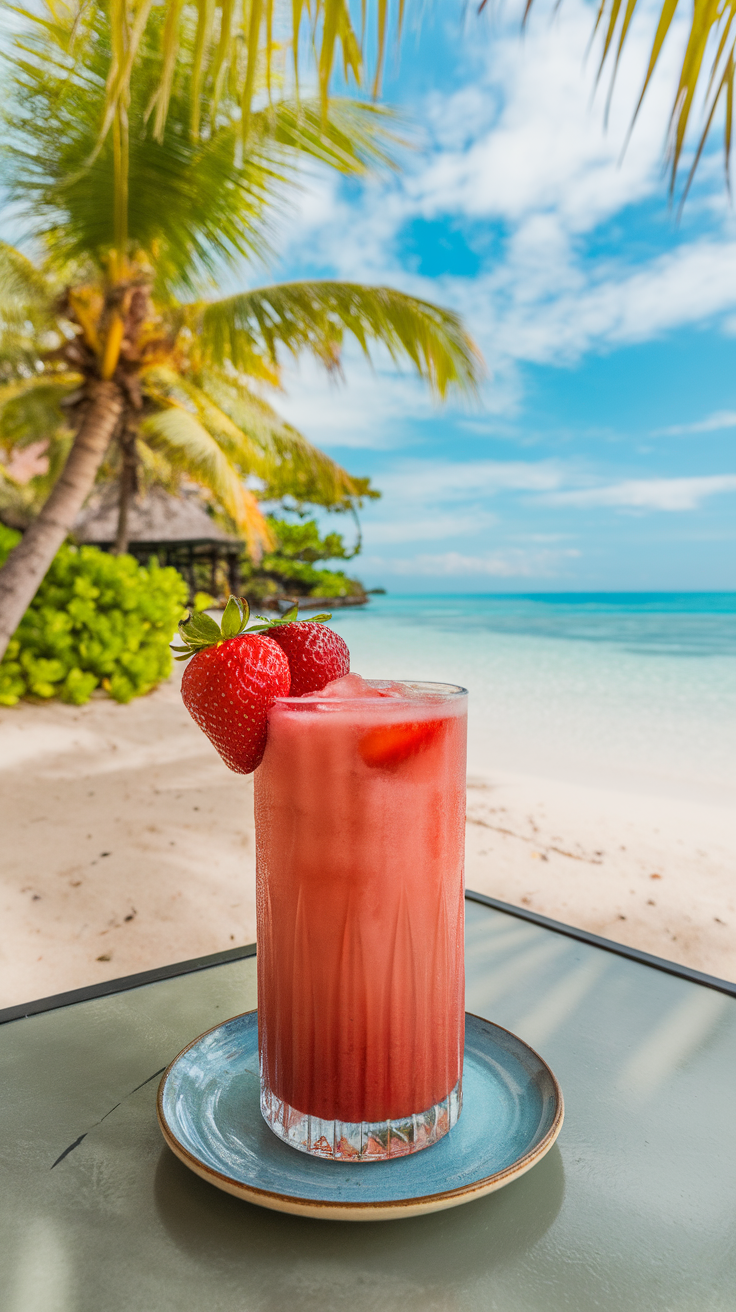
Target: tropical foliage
x,y
192,418
238,51
97,621
291,568
150,149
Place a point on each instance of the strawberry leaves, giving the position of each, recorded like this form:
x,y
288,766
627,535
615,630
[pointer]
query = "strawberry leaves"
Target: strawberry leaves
x,y
291,617
235,617
199,631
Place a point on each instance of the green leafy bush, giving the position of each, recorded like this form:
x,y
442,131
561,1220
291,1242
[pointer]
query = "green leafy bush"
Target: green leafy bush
x,y
291,568
96,620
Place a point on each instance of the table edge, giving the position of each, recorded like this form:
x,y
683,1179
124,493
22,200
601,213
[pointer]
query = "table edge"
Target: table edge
x,y
23,1010
109,986
605,944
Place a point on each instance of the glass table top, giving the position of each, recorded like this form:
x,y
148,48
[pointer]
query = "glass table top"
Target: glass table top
x,y
634,1208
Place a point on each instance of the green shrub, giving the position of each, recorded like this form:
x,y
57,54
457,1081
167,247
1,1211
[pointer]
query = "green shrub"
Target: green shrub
x,y
96,620
292,567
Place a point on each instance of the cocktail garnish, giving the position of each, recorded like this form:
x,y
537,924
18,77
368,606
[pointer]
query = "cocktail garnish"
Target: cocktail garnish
x,y
236,673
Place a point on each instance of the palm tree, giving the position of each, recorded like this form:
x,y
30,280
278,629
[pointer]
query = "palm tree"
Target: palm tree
x,y
146,167
190,416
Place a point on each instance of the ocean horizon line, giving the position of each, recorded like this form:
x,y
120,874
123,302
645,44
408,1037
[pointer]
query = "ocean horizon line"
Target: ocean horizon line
x,y
533,596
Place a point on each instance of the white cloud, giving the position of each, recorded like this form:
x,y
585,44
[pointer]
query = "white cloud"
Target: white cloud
x,y
426,528
429,502
519,162
649,494
523,135
505,564
605,307
522,142
547,148
367,411
433,501
444,481
711,424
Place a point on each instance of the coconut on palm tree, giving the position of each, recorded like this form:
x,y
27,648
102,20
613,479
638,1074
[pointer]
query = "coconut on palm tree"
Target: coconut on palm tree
x,y
145,172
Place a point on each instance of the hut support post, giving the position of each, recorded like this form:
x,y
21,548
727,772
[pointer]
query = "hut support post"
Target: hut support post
x,y
233,573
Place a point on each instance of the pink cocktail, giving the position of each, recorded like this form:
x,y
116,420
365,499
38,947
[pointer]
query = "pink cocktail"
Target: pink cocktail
x,y
360,811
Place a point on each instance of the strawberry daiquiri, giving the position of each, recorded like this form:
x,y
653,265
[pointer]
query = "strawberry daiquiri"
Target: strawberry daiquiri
x,y
360,810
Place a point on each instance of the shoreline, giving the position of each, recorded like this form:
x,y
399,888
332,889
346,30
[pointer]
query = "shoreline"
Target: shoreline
x,y
129,845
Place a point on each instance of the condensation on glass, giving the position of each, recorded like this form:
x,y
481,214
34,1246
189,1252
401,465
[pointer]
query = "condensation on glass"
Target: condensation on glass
x,y
360,811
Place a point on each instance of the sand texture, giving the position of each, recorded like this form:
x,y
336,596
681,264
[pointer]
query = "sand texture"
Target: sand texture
x,y
127,844
653,872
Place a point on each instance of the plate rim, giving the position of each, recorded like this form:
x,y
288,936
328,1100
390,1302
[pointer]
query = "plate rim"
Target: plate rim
x,y
378,1209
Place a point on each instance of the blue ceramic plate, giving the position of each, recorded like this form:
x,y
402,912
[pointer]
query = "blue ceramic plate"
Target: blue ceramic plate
x,y
208,1109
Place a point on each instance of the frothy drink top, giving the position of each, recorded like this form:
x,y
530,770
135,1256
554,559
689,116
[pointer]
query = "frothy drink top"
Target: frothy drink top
x,y
353,686
375,695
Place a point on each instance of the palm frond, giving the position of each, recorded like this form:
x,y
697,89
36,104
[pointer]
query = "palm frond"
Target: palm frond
x,y
30,408
314,316
20,502
192,204
154,469
238,444
350,136
240,50
711,29
187,443
256,440
192,201
302,474
21,281
26,314
16,388
289,463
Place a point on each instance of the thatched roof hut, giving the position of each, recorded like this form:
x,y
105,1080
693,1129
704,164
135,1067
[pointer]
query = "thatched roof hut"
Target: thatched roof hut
x,y
177,530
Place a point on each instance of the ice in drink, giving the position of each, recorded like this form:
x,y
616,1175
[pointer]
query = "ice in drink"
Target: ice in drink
x,y
360,813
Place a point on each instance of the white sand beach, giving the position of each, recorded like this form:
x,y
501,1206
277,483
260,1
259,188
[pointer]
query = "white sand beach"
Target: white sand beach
x,y
128,844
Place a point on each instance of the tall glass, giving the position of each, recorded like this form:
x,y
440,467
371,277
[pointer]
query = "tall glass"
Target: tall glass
x,y
360,825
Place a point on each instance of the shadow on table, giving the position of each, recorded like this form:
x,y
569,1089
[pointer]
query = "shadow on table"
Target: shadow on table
x,y
292,1262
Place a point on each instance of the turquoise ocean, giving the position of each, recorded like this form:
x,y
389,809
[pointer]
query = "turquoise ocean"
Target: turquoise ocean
x,y
631,691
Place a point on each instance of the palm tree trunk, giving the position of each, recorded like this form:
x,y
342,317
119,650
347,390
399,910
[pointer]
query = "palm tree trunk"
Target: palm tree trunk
x,y
128,487
24,570
359,540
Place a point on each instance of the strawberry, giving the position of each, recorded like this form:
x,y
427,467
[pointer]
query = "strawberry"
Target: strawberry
x,y
389,745
317,655
231,682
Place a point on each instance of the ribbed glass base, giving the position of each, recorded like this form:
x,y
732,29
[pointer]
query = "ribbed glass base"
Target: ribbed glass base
x,y
361,1141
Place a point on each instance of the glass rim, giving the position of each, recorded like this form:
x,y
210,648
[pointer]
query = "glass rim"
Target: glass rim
x,y
445,692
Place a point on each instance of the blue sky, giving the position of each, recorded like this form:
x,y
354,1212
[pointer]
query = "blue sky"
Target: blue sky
x,y
603,453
